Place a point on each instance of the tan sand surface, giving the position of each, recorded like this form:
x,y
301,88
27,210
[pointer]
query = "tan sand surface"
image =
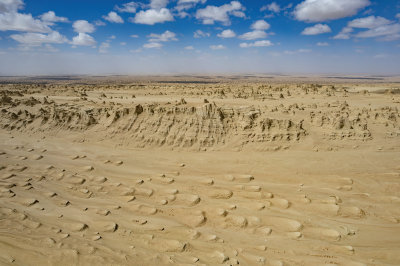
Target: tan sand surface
x,y
199,171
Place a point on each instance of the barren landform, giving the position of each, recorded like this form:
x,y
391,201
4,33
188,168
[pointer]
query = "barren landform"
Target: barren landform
x,y
199,170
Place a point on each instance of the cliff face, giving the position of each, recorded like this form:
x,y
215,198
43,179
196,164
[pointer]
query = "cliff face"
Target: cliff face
x,y
276,121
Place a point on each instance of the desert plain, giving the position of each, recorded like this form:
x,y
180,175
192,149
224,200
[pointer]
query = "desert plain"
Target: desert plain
x,y
198,170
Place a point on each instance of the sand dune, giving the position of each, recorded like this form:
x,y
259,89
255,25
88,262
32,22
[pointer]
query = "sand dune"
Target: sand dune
x,y
231,172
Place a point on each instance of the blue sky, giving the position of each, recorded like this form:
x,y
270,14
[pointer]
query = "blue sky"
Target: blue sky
x,y
199,36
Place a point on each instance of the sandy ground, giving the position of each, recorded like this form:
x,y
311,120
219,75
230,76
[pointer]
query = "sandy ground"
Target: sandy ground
x,y
191,173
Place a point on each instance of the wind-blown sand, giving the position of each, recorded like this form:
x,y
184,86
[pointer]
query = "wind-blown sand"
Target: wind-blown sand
x,y
229,172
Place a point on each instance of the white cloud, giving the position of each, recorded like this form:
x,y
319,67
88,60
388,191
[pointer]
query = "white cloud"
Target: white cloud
x,y
389,38
157,4
122,43
164,37
252,35
376,27
189,47
239,14
187,4
263,43
227,34
36,39
99,23
191,1
10,19
127,8
299,51
370,22
210,14
51,17
152,45
155,39
217,47
103,48
183,14
316,29
398,16
200,33
391,32
134,36
344,34
322,44
153,16
22,22
273,7
83,39
260,25
323,10
113,17
11,6
82,26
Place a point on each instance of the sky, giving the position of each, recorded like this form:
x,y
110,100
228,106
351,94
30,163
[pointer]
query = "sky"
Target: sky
x,y
93,37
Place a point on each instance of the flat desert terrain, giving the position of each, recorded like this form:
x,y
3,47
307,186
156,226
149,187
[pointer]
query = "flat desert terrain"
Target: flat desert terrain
x,y
199,171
